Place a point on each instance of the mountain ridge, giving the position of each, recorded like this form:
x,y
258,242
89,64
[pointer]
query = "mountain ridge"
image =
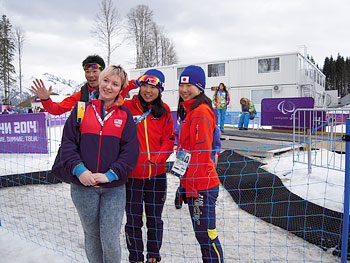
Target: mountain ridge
x,y
60,86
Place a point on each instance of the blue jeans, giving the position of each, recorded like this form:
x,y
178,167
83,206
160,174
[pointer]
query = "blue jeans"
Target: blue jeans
x,y
221,117
202,210
244,120
101,213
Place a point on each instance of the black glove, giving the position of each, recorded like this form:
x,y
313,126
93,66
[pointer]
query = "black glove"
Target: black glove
x,y
180,197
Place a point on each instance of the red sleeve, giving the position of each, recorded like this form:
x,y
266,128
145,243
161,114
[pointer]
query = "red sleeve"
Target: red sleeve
x,y
201,139
130,86
201,136
67,104
167,141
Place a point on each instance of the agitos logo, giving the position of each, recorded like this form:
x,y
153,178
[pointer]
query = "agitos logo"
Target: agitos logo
x,y
286,107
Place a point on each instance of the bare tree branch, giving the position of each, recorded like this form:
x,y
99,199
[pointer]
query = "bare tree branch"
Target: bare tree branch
x,y
107,28
19,39
152,46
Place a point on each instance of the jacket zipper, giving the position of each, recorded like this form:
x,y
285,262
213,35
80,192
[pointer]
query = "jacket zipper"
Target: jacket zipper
x,y
148,151
99,151
147,144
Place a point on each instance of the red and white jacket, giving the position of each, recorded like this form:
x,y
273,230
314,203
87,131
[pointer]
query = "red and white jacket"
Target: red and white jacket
x,y
156,140
196,136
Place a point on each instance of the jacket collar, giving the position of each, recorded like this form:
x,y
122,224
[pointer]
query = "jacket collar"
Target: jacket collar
x,y
188,104
117,103
138,103
90,88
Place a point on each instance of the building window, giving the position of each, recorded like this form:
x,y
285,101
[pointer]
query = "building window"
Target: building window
x,y
216,70
179,71
258,95
268,65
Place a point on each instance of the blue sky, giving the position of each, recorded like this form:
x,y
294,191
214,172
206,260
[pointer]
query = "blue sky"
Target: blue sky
x,y
58,34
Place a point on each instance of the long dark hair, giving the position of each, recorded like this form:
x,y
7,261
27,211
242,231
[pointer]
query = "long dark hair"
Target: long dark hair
x,y
158,108
216,92
201,98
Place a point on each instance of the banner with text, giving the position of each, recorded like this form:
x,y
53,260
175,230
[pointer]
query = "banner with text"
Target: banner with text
x,y
279,111
58,120
23,133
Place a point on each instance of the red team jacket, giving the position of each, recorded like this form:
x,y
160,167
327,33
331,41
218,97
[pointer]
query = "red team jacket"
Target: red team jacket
x,y
196,136
156,140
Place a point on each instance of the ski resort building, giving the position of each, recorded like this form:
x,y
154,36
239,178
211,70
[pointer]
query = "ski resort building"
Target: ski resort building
x,y
271,76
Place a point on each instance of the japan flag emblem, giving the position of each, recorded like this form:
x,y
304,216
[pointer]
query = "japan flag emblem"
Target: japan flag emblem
x,y
185,79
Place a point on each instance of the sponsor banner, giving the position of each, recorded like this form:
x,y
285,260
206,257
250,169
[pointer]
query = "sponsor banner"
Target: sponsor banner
x,y
58,120
279,111
23,133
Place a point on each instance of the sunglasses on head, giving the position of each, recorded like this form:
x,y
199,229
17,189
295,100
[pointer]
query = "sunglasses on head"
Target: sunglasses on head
x,y
151,80
92,65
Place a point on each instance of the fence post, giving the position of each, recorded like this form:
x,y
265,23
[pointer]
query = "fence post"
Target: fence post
x,y
309,159
345,233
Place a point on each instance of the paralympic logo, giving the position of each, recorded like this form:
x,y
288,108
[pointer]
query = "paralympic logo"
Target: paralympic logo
x,y
286,107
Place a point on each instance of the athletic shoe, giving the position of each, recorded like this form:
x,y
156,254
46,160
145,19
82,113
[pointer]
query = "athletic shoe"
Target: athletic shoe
x,y
153,260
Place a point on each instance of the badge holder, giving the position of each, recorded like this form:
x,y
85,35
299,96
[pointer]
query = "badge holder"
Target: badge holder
x,y
181,163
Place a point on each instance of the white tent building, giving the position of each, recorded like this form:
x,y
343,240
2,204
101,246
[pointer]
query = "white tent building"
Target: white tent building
x,y
270,76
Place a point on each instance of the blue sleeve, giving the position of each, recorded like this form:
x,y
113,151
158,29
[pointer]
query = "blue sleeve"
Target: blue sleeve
x,y
79,169
111,175
216,139
177,131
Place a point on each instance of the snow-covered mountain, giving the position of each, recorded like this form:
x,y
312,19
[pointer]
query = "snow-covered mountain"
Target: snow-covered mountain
x,y
59,85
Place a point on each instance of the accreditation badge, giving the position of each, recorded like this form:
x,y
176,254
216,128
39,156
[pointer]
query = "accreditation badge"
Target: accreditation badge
x,y
181,163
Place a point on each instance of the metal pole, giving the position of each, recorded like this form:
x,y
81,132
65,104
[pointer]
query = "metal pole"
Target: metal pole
x,y
345,233
309,159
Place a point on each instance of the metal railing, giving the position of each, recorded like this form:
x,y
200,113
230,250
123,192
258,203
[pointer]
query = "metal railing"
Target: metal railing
x,y
321,130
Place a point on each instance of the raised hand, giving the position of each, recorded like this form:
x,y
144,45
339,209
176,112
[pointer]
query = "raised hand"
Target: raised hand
x,y
40,89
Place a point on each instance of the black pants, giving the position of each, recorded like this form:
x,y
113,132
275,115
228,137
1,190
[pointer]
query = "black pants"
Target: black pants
x,y
150,193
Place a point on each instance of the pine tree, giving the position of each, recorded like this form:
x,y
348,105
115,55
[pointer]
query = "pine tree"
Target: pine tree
x,y
7,53
337,74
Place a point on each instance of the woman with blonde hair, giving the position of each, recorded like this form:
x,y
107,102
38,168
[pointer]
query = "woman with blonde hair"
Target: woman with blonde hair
x,y
98,158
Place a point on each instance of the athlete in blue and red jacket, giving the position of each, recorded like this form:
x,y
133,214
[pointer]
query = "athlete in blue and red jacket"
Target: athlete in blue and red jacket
x,y
99,163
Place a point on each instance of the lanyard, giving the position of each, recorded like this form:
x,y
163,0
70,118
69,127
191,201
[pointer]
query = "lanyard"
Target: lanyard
x,y
143,116
105,118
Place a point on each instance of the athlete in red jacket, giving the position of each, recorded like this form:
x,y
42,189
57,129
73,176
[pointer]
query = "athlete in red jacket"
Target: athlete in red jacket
x,y
146,186
200,180
92,65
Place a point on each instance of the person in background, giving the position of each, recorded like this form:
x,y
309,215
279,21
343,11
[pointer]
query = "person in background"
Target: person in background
x,y
92,66
100,163
248,113
147,183
221,100
200,180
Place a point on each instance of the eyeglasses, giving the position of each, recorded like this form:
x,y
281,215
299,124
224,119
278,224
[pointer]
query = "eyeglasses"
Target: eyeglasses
x,y
152,80
92,65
